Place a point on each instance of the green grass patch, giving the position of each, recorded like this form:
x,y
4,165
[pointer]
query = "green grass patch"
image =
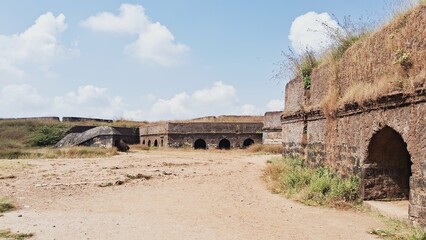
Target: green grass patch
x,y
6,205
47,135
7,234
311,186
398,230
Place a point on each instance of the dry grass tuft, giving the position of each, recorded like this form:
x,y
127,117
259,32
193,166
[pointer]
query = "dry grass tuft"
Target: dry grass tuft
x,y
139,147
78,152
7,234
264,148
360,92
397,230
53,153
329,102
6,205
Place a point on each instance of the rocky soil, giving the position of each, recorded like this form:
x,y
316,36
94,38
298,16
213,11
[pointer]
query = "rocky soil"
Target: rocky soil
x,y
163,195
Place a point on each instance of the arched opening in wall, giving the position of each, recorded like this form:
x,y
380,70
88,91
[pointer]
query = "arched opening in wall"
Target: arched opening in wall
x,y
143,142
200,144
387,168
149,143
162,143
224,144
155,143
248,142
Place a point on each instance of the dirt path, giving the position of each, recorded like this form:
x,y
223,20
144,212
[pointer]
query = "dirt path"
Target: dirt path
x,y
190,195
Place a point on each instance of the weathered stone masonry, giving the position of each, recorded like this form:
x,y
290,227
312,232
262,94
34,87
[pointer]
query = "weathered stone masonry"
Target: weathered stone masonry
x,y
201,135
383,141
272,130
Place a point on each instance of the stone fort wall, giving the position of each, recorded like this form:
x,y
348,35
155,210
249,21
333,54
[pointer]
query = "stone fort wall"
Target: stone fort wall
x,y
185,134
380,137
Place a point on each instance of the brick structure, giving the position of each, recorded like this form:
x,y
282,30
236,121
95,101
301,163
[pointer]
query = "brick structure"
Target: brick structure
x,y
201,135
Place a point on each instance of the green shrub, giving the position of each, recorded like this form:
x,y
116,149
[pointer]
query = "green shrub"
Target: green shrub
x,y
47,135
319,186
308,64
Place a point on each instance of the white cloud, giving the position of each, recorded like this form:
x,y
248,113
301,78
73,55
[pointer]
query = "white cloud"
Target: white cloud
x,y
20,100
177,106
307,32
218,99
39,44
97,102
89,101
275,105
249,109
155,42
220,95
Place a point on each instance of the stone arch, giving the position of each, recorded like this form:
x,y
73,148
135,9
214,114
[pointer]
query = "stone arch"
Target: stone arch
x,y
162,143
248,142
224,144
386,170
155,143
200,144
149,143
143,142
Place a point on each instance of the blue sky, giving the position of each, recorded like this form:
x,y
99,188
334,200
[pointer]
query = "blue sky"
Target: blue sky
x,y
153,59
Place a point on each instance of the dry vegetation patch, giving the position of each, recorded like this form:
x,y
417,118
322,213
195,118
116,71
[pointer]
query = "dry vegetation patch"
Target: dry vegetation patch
x,y
6,205
265,149
398,230
8,235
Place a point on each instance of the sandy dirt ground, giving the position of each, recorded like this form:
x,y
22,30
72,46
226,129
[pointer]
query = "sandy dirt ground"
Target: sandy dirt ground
x,y
164,195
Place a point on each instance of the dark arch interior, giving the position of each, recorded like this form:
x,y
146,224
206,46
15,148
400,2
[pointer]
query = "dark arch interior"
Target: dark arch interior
x,y
155,143
387,169
149,143
143,142
224,144
162,142
248,142
200,144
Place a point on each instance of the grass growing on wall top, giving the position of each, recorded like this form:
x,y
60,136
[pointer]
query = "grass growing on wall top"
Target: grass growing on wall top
x,y
311,186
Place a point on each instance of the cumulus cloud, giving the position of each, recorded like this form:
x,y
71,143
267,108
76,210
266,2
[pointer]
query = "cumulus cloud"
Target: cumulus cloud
x,y
39,44
19,100
275,105
307,32
93,101
155,42
89,101
249,109
215,100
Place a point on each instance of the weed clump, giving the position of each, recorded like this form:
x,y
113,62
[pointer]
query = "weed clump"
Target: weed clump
x,y
319,186
397,229
7,234
6,205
